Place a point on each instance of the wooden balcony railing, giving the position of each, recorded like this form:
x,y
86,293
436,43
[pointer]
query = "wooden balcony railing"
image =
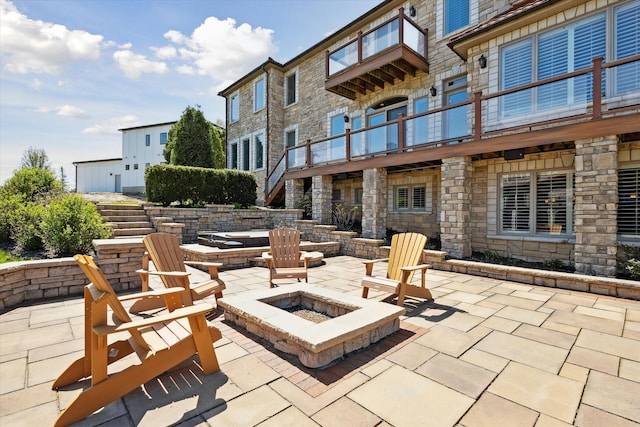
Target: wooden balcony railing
x,y
564,99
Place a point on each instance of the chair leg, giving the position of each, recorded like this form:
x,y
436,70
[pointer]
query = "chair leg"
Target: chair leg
x,y
365,292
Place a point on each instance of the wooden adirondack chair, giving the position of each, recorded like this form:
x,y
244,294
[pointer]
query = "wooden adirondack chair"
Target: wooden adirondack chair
x,y
166,255
284,257
161,342
404,256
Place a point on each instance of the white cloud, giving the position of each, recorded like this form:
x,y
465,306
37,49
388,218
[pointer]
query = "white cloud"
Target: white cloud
x,y
111,126
34,46
221,50
133,65
186,69
36,84
65,111
166,52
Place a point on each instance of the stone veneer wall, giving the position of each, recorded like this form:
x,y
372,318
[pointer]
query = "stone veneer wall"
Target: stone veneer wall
x,y
596,205
455,214
374,203
321,189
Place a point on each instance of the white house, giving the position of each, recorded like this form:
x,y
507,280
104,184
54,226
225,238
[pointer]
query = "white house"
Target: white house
x,y
142,147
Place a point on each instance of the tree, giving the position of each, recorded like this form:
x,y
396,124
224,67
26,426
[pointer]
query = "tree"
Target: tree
x,y
35,158
33,183
63,177
189,140
218,136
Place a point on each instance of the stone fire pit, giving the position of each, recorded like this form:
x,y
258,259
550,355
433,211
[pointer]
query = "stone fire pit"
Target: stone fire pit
x,y
353,322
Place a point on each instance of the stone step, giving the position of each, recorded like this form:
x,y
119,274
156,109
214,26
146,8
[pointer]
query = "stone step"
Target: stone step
x,y
122,212
126,218
119,207
130,224
122,232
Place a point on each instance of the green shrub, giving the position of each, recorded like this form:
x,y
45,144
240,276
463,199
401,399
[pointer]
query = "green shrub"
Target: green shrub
x,y
70,224
185,185
344,219
25,232
9,204
629,261
33,183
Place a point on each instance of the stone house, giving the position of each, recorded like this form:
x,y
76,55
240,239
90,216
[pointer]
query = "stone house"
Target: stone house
x,y
495,125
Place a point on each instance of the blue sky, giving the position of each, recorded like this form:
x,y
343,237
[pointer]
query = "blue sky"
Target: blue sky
x,y
73,72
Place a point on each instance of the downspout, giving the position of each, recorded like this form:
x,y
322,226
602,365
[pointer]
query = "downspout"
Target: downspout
x,y
267,139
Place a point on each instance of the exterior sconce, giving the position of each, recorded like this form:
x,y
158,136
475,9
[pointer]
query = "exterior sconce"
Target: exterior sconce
x,y
482,61
346,118
433,91
412,11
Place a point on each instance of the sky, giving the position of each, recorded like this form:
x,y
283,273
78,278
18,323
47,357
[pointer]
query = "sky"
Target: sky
x,y
73,72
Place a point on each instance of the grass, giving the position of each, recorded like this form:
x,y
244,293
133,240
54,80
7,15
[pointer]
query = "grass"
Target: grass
x,y
7,257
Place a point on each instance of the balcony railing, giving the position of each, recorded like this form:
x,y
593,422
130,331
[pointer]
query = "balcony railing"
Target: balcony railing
x,y
381,55
564,99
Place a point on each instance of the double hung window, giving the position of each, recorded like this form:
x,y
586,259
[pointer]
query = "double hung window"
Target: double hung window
x,y
259,94
536,203
291,88
234,108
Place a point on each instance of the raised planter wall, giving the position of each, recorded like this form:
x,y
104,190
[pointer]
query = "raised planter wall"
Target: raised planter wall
x,y
31,281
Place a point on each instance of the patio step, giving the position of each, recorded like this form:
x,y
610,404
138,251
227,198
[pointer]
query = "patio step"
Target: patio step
x,y
126,220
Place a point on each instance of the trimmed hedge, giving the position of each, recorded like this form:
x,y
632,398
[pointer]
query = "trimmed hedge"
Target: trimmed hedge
x,y
186,185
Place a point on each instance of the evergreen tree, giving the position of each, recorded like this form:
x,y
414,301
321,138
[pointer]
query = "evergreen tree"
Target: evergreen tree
x,y
218,136
189,140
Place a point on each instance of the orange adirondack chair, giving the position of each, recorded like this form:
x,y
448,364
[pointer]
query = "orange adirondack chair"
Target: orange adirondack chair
x,y
404,256
160,342
284,257
166,255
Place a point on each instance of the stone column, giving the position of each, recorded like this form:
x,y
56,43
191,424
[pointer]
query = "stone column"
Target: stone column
x,y
321,190
455,213
294,191
596,207
374,203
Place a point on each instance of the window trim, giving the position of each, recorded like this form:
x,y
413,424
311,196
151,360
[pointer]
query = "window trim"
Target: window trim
x,y
253,158
533,231
287,102
147,140
263,104
411,202
234,118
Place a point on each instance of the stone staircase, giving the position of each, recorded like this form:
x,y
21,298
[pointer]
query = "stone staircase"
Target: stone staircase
x,y
126,220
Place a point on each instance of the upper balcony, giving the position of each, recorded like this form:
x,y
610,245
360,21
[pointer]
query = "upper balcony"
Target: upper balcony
x,y
385,54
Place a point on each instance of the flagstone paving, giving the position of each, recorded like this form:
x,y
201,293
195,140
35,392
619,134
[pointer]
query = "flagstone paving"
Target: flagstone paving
x,y
484,352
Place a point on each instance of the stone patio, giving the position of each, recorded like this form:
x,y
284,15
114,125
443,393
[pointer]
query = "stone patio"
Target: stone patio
x,y
484,352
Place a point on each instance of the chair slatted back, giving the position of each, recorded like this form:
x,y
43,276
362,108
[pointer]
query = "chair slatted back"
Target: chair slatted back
x,y
285,247
101,291
166,255
406,251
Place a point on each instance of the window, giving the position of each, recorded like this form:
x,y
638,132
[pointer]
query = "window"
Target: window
x,y
357,196
234,108
290,138
291,88
146,165
628,205
258,94
258,147
126,167
163,138
536,203
420,125
135,166
456,15
336,195
147,140
559,51
233,156
627,28
245,154
410,198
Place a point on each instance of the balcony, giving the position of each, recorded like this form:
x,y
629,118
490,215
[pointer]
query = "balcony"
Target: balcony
x,y
383,55
603,99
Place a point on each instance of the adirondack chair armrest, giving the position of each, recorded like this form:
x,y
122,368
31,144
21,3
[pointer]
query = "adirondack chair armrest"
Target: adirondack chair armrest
x,y
190,311
305,257
368,264
149,294
407,270
268,258
211,266
164,273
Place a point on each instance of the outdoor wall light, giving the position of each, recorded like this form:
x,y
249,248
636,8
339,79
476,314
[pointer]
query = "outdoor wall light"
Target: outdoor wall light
x,y
482,61
412,11
433,91
346,118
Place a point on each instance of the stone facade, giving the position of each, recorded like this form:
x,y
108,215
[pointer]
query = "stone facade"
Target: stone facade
x,y
596,205
462,194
